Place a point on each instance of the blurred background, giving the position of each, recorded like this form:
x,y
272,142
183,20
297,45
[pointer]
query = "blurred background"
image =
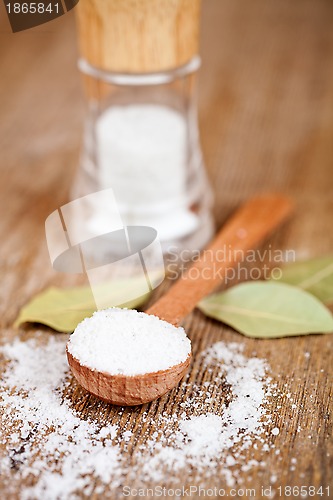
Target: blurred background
x,y
265,115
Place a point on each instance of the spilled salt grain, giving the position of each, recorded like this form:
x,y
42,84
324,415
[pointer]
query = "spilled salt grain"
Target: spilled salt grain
x,y
123,341
65,456
275,431
33,401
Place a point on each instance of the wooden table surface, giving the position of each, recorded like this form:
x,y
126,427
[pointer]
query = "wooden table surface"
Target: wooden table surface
x,y
266,119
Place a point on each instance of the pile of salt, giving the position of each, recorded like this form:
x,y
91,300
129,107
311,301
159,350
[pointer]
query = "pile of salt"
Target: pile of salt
x,y
142,156
128,342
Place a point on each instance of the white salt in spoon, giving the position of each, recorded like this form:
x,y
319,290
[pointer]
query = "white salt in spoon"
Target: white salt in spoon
x,y
121,378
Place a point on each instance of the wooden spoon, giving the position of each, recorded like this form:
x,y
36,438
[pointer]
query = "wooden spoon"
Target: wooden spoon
x,y
251,224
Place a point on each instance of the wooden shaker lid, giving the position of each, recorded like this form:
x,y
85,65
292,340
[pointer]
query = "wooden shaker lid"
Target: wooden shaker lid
x,y
138,36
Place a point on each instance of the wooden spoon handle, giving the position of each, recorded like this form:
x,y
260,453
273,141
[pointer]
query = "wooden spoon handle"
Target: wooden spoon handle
x,y
251,224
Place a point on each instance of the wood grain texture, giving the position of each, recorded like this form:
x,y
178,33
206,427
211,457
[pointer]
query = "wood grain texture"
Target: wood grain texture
x,y
266,116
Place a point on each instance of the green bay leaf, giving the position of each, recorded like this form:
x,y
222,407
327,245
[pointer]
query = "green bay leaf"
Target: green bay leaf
x,y
314,276
268,310
63,308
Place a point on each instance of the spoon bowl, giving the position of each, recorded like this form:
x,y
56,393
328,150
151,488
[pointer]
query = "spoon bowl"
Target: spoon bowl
x,y
124,390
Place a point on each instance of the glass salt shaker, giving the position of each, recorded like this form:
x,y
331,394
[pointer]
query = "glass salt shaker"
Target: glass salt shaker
x,y
139,61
